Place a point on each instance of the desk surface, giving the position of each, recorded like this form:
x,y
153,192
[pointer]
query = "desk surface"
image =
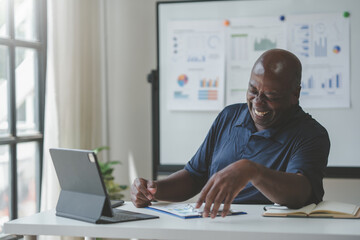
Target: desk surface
x,y
250,226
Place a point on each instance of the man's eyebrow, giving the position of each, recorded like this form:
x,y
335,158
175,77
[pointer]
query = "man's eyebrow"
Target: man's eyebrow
x,y
273,93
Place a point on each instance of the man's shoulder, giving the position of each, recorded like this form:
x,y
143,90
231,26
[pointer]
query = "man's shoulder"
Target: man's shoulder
x,y
302,129
309,126
234,108
232,114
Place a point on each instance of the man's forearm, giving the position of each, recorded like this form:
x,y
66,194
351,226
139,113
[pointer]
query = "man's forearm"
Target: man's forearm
x,y
290,189
179,186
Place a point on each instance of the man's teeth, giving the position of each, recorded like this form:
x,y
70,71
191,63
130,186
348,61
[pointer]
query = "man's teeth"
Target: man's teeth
x,y
260,113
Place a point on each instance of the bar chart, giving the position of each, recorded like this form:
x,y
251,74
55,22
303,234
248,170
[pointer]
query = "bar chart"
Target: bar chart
x,y
208,89
209,82
322,84
320,47
334,82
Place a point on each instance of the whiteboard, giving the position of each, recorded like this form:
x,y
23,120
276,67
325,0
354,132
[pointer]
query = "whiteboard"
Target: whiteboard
x,y
182,132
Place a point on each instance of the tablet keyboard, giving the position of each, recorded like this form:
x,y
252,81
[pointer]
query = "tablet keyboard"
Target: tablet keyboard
x,y
124,216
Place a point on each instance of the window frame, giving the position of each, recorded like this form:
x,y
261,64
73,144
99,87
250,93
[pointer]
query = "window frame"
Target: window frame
x,y
40,47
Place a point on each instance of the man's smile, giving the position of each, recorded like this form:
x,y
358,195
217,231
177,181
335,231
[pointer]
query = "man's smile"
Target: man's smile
x,y
260,114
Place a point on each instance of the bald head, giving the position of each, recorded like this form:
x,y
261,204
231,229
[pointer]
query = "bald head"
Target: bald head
x,y
279,64
274,88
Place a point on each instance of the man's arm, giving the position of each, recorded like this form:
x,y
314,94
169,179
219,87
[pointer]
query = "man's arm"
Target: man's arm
x,y
289,189
177,187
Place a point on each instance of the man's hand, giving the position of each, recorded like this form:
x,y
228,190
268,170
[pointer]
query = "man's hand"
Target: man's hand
x,y
143,192
224,186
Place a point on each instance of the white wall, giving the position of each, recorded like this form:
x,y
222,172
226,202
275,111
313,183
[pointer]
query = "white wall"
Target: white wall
x,y
130,55
343,190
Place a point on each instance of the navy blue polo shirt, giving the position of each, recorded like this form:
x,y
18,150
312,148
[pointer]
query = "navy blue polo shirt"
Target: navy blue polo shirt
x,y
298,145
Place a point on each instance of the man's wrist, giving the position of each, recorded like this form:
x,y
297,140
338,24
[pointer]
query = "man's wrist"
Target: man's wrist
x,y
156,186
253,170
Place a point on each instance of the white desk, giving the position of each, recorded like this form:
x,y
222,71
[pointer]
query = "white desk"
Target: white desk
x,y
250,226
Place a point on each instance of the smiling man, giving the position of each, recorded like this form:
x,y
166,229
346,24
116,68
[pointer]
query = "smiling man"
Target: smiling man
x,y
266,151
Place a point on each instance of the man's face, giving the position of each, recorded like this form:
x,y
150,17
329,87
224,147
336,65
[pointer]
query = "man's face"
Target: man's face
x,y
269,98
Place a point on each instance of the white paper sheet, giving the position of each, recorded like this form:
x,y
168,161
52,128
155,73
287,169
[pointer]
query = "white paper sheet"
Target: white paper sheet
x,y
321,41
196,70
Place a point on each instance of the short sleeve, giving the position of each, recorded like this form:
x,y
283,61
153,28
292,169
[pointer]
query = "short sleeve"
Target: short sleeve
x,y
310,159
199,164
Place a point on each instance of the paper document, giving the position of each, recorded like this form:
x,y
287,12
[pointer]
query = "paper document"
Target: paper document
x,y
195,72
187,210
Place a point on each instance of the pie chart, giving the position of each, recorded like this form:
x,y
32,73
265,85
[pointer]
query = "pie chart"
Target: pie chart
x,y
182,80
336,49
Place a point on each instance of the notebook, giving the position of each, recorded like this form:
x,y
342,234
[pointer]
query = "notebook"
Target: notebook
x,y
83,195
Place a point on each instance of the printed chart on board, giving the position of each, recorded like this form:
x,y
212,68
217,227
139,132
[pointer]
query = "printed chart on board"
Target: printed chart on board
x,y
209,62
196,65
248,38
321,41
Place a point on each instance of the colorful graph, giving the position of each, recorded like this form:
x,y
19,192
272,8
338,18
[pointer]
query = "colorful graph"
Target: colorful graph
x,y
182,80
209,83
336,49
208,94
208,89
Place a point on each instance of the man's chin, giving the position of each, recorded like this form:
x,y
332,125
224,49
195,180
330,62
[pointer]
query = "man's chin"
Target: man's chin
x,y
264,123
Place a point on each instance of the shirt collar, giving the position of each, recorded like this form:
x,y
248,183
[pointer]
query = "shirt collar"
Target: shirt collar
x,y
275,133
245,120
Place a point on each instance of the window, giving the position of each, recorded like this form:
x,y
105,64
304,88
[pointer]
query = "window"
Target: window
x,y
22,87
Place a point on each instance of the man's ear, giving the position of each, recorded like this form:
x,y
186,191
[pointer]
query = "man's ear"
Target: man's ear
x,y
296,94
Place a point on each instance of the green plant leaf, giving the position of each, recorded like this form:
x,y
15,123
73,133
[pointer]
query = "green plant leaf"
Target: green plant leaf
x,y
99,149
107,170
114,162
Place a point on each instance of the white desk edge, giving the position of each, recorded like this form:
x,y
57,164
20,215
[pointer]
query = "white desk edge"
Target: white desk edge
x,y
250,226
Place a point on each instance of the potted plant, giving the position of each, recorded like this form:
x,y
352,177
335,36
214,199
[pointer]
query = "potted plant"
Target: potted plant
x,y
114,189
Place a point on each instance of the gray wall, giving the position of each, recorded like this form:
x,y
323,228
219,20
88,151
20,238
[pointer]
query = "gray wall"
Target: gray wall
x,y
131,53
